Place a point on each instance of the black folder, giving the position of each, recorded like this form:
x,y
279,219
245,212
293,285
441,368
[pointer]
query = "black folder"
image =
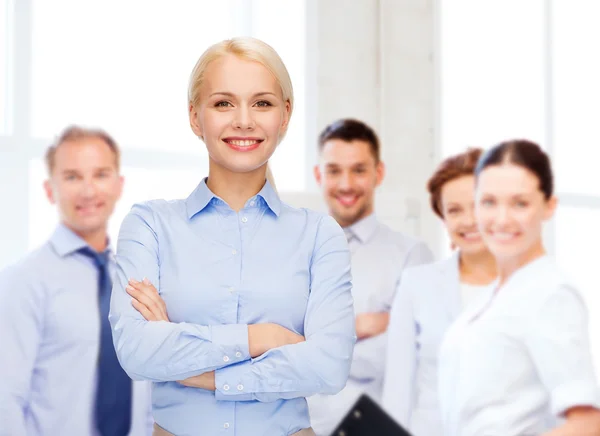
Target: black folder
x,y
367,418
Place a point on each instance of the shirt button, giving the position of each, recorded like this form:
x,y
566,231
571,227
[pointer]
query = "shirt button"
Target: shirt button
x,y
226,425
233,251
225,387
225,358
231,289
244,220
252,203
238,354
240,387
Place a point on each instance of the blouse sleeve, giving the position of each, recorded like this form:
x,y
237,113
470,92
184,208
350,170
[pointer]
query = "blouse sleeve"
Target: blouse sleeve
x,y
558,340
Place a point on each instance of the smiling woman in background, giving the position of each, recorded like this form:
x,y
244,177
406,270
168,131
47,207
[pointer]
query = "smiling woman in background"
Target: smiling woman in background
x,y
519,360
258,293
431,296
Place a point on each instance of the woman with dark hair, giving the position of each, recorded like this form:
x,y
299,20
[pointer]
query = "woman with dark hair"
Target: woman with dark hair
x,y
431,296
518,362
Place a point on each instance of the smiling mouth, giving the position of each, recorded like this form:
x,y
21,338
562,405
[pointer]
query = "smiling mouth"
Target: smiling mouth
x,y
89,209
504,236
470,236
347,200
243,144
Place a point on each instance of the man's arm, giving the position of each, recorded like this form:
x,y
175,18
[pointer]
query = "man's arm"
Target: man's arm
x,y
369,353
371,324
21,321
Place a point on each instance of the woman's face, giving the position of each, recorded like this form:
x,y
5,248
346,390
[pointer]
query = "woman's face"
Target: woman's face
x,y
511,209
457,206
241,115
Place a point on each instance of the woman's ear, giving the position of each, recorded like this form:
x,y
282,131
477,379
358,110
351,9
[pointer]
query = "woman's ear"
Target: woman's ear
x,y
194,123
286,118
551,205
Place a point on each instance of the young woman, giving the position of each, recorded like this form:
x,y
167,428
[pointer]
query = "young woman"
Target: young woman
x,y
519,363
258,293
431,296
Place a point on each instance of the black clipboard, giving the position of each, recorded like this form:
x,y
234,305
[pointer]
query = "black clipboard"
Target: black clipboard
x,y
367,418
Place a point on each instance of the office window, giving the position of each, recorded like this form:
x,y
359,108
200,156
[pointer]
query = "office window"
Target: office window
x,y
121,65
5,63
576,69
492,72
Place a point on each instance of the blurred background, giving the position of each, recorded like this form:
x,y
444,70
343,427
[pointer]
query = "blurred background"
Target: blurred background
x,y
431,76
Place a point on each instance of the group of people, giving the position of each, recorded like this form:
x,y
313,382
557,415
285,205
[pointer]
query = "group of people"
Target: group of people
x,y
237,314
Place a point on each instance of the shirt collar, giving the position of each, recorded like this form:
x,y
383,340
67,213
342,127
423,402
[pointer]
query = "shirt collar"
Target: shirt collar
x,y
202,196
363,229
271,198
65,241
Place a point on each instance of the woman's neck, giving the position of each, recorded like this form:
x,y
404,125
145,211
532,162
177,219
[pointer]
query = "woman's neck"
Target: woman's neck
x,y
235,188
508,266
478,268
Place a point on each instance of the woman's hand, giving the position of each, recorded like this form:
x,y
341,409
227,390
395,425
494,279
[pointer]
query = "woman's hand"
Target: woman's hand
x,y
203,381
580,421
264,337
147,301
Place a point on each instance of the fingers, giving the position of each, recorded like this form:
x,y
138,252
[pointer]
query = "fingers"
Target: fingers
x,y
147,290
147,295
148,316
143,298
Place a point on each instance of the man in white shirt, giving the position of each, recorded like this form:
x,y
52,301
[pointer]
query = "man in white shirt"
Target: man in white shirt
x,y
348,172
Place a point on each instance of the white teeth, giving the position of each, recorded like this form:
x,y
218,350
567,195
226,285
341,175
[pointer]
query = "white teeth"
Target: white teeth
x,y
243,143
472,235
504,236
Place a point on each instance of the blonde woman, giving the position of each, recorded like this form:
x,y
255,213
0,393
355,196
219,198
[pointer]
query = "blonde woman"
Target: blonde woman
x,y
258,293
431,297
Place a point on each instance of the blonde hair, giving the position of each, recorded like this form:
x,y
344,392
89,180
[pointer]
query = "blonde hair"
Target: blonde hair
x,y
247,48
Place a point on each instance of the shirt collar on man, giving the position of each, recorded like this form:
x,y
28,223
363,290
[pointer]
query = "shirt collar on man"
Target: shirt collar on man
x,y
363,229
65,241
202,196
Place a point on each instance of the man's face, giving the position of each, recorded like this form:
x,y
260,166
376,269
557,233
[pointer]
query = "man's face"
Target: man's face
x,y
84,184
348,174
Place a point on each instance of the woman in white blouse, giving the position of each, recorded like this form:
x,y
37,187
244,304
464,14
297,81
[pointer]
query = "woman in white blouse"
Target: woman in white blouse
x,y
431,296
518,363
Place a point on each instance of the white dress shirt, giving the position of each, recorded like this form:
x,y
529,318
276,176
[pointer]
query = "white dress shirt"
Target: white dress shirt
x,y
514,362
379,256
